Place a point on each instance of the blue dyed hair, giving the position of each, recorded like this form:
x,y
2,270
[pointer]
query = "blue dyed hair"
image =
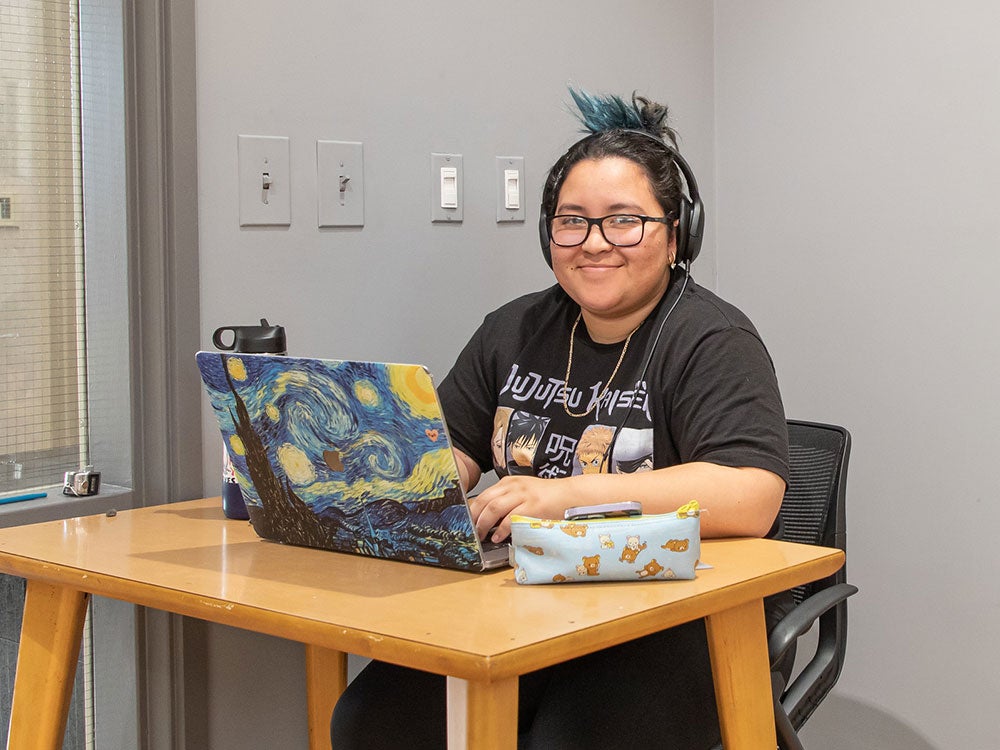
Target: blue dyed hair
x,y
609,120
607,112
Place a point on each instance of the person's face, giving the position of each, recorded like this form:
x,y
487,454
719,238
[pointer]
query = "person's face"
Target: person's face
x,y
499,435
608,282
522,450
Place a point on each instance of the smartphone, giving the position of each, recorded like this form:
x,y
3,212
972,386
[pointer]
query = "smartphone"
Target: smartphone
x,y
607,510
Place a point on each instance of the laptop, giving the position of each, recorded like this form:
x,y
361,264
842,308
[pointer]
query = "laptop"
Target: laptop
x,y
346,456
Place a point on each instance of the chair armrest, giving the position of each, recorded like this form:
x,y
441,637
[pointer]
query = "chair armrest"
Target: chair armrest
x,y
797,622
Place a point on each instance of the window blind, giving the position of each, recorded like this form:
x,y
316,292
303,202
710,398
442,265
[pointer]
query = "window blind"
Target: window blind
x,y
43,403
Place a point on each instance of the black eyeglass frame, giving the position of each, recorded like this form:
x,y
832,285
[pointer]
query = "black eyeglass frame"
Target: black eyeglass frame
x,y
599,223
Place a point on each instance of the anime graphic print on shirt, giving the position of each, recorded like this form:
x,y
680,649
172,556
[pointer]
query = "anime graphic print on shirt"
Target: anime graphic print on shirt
x,y
524,432
533,434
705,392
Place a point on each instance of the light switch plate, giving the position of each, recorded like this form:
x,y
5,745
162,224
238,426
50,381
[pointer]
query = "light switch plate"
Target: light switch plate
x,y
340,174
264,160
439,213
505,165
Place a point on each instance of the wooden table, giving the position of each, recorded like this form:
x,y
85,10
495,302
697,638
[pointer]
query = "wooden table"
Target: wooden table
x,y
481,630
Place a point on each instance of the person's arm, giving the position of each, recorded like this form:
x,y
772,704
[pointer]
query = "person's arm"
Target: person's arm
x,y
468,471
737,501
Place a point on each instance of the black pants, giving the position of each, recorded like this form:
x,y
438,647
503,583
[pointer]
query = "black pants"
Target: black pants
x,y
653,692
656,691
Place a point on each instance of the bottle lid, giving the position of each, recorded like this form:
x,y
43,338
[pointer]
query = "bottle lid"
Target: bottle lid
x,y
262,339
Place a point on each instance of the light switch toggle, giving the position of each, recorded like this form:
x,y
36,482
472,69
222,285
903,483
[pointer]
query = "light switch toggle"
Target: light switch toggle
x,y
447,197
449,187
264,169
512,189
340,177
265,183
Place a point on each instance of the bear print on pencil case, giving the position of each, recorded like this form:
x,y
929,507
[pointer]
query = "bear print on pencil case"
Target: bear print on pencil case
x,y
541,523
651,570
591,566
631,549
677,545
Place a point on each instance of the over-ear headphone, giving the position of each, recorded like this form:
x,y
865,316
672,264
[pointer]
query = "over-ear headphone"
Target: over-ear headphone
x,y
690,221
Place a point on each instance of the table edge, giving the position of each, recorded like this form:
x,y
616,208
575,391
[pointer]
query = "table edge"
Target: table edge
x,y
437,659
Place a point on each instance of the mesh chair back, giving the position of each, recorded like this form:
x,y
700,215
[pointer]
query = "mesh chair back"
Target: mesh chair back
x,y
812,511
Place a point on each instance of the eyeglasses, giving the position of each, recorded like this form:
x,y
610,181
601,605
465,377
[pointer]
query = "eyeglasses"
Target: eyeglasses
x,y
620,230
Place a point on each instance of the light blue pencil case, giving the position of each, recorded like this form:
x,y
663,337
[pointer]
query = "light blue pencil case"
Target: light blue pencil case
x,y
637,548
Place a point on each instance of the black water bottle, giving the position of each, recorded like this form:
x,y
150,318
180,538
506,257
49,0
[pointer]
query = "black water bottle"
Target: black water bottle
x,y
262,339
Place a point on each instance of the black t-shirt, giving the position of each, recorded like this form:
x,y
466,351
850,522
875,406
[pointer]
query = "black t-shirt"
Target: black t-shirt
x,y
709,392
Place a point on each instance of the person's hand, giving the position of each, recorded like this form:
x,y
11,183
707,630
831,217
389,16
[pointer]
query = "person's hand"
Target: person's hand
x,y
521,495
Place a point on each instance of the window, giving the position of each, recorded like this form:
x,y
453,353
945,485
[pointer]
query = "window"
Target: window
x,y
64,312
138,271
43,374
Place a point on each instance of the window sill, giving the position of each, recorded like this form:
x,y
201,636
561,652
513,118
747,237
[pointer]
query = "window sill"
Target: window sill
x,y
58,506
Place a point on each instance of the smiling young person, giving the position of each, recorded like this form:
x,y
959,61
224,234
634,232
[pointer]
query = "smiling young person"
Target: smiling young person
x,y
707,409
623,381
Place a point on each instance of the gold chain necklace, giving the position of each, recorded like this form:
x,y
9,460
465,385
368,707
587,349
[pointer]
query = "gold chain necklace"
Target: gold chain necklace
x,y
607,386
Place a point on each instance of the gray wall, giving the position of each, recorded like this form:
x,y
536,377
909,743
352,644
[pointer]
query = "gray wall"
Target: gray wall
x,y
858,179
847,152
406,79
480,79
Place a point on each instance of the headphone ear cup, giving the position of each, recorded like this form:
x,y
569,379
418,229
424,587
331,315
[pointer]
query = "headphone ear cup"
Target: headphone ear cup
x,y
695,229
683,226
543,237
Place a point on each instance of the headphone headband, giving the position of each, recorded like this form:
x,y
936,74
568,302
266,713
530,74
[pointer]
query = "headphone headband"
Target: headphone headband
x,y
691,214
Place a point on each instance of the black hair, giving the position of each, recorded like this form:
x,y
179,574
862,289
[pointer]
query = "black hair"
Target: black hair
x,y
526,425
612,122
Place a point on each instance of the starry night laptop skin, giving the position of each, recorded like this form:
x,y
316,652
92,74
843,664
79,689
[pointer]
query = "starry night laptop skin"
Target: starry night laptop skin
x,y
344,455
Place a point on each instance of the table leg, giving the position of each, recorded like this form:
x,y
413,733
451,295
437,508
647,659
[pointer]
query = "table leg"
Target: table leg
x,y
482,714
737,642
46,665
326,679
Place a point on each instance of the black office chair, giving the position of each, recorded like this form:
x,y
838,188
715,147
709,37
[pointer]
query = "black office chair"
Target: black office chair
x,y
813,512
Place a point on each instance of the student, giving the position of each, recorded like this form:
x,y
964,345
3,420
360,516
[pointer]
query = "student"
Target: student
x,y
576,362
